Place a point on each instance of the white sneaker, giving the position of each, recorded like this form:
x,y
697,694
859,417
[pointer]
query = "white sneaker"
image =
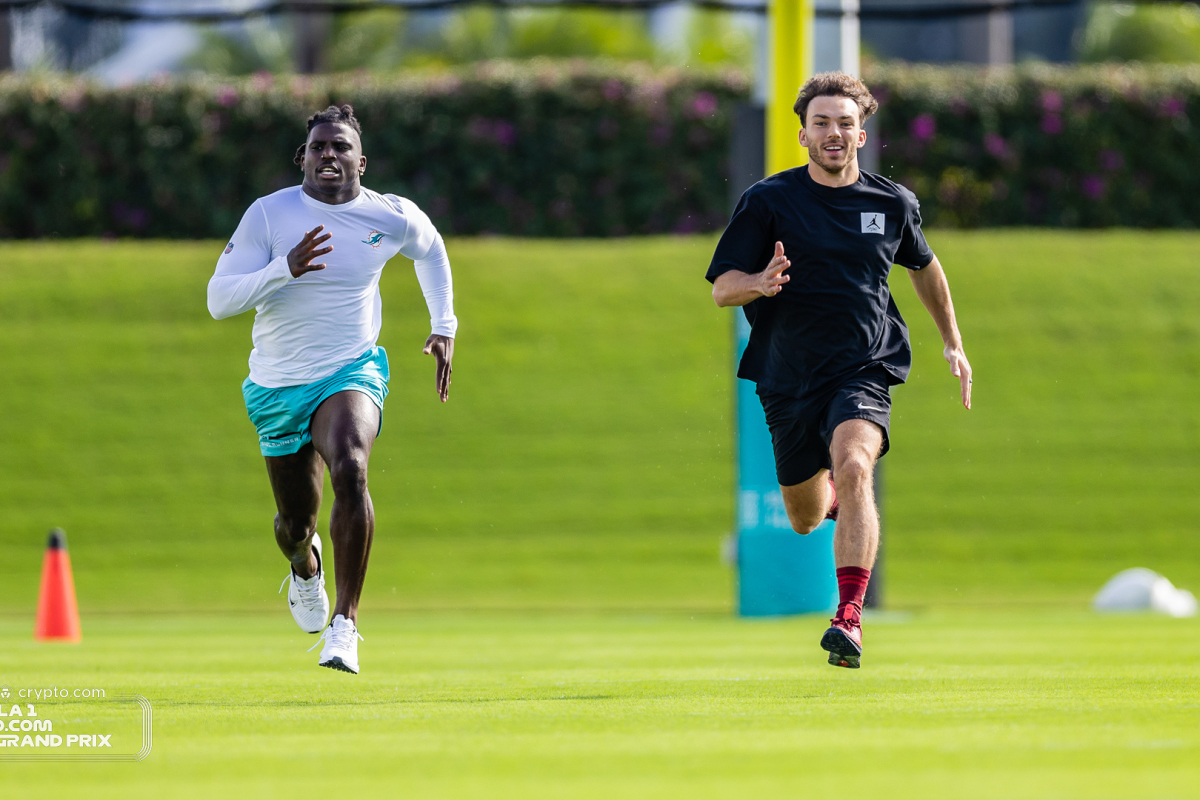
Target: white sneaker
x,y
341,645
307,597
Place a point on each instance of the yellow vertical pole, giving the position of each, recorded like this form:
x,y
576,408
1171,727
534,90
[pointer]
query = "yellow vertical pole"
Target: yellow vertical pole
x,y
791,23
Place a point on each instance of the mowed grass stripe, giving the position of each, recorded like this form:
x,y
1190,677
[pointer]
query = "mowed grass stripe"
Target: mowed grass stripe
x,y
585,457
990,704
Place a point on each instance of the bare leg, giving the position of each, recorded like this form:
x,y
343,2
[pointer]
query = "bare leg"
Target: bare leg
x,y
855,448
807,503
343,430
296,481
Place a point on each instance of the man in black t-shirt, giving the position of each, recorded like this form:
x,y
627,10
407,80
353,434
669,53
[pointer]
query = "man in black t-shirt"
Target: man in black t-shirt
x,y
826,339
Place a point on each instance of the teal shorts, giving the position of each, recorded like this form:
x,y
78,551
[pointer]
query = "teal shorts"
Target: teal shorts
x,y
283,416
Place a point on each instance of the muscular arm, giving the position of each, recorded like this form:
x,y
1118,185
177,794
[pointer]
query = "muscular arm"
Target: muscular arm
x,y
931,286
736,288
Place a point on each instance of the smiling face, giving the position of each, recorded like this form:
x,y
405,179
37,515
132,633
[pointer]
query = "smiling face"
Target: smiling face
x,y
833,133
333,163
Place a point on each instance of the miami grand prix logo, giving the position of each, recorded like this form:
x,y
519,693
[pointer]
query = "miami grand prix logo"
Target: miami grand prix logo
x,y
374,238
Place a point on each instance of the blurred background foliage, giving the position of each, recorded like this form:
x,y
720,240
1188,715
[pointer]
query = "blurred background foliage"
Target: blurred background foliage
x,y
1083,146
1152,32
386,40
539,147
587,147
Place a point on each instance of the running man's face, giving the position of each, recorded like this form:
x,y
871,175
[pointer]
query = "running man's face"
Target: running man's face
x,y
832,133
333,160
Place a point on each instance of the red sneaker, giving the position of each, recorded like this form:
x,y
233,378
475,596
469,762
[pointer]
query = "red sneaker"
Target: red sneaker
x,y
833,509
843,640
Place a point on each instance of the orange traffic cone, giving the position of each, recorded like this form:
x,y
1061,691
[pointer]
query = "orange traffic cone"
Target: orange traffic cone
x,y
57,611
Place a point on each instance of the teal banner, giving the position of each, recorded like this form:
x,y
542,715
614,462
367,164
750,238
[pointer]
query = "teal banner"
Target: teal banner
x,y
779,571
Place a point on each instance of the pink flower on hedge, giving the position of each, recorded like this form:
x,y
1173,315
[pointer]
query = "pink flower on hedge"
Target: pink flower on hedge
x,y
301,86
227,96
923,127
1112,160
504,132
1093,186
995,145
1052,124
613,90
1052,101
72,99
499,131
262,80
704,104
685,224
1172,107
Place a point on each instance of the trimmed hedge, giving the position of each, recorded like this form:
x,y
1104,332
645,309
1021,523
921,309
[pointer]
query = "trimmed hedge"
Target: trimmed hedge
x,y
1041,145
550,148
540,149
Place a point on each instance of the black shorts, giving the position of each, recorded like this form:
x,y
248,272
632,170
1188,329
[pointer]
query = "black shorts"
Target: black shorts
x,y
802,430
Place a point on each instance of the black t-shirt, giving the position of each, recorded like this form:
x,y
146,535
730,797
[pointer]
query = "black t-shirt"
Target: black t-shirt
x,y
835,317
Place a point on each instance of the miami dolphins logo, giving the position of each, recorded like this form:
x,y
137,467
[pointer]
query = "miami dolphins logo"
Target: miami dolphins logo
x,y
374,238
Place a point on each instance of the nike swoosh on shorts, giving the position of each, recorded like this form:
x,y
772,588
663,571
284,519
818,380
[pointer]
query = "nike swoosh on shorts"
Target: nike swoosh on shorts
x,y
869,408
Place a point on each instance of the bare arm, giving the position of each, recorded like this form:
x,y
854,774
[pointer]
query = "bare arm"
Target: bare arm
x,y
736,288
931,286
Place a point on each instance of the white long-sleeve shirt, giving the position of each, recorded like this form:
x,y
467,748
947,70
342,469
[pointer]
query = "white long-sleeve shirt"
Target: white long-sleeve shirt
x,y
308,328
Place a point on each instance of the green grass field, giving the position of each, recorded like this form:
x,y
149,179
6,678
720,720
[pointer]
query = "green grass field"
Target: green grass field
x,y
982,705
546,612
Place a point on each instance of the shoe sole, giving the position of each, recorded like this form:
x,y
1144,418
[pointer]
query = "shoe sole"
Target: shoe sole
x,y
337,663
318,630
843,652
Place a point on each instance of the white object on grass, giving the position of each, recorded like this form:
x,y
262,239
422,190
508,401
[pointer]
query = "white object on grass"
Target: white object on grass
x,y
1141,589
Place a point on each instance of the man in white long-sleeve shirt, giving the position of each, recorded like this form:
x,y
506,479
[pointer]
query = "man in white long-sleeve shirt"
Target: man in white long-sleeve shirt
x,y
317,378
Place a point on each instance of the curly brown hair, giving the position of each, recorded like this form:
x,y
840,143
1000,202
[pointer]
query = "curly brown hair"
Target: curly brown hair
x,y
835,84
342,115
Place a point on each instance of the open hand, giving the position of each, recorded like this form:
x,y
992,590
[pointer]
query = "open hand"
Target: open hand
x,y
961,369
442,349
300,258
772,279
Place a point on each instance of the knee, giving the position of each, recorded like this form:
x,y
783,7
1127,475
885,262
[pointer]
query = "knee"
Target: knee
x,y
805,520
348,473
294,529
804,527
854,469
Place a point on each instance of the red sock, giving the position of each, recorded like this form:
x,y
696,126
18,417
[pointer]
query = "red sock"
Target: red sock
x,y
852,587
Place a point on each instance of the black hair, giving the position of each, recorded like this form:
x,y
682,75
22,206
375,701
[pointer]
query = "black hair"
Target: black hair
x,y
342,115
